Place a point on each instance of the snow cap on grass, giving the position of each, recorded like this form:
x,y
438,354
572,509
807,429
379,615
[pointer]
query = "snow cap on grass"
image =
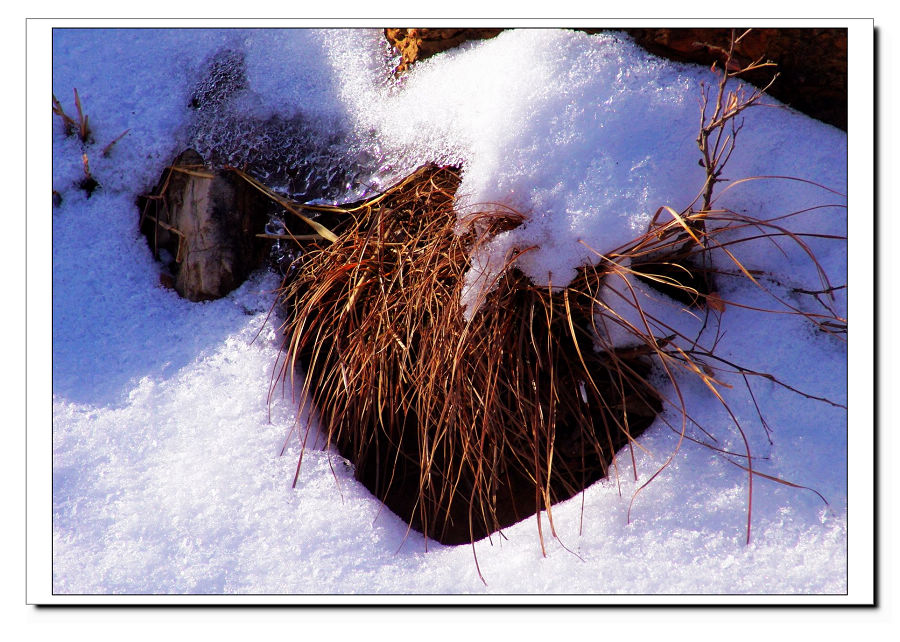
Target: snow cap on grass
x,y
583,134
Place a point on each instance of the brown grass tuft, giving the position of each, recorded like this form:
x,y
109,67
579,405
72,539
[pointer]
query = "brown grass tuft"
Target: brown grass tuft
x,y
461,428
465,427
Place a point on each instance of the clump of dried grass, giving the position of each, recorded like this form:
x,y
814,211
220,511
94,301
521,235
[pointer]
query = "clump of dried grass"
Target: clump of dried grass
x,y
463,427
460,427
79,127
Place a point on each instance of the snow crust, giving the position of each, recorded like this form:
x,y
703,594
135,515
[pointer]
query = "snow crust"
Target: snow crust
x,y
166,469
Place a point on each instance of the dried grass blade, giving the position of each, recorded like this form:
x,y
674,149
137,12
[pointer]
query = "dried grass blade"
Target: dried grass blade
x,y
323,231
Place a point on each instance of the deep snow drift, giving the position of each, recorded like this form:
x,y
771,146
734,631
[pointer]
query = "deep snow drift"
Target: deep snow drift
x,y
166,474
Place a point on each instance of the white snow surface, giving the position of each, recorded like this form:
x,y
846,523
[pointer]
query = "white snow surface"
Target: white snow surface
x,y
167,476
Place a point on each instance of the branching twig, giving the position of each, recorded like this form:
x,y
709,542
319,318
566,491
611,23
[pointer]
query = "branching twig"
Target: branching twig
x,y
719,129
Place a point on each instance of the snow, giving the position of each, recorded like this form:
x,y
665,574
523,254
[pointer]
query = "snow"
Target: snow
x,y
167,477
